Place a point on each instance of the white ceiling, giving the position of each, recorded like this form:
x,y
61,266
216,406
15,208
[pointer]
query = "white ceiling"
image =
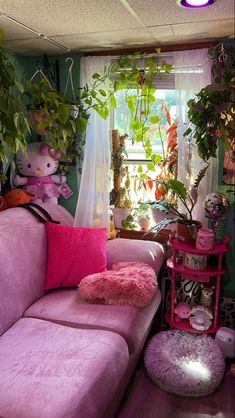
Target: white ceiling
x,y
95,25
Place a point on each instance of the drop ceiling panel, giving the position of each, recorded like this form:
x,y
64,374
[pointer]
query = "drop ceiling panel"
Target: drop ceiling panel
x,y
155,12
13,31
205,29
34,46
54,17
110,24
113,39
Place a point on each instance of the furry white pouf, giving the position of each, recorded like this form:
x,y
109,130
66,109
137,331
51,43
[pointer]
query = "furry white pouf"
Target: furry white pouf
x,y
184,363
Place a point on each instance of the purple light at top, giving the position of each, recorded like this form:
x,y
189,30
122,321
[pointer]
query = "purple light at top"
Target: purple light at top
x,y
196,3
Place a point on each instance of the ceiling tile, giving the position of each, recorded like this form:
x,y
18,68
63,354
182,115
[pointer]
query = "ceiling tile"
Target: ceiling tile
x,y
155,12
13,31
205,29
60,17
33,47
113,39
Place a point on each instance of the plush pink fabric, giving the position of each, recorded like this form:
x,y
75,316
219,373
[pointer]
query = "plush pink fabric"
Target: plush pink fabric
x,y
23,250
74,253
51,371
126,284
149,252
65,307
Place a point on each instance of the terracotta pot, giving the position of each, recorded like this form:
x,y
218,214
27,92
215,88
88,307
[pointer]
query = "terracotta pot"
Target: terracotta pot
x,y
187,232
34,118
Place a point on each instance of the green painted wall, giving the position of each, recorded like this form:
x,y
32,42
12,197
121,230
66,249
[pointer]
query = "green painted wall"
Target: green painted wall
x,y
25,68
227,227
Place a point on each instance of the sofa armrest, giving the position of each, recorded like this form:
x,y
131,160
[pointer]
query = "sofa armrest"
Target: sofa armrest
x,y
149,252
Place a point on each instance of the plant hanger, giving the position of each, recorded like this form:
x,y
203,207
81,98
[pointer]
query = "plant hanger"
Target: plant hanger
x,y
41,73
70,78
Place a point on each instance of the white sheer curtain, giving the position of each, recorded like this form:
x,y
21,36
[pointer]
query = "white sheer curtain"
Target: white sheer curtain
x,y
192,73
93,201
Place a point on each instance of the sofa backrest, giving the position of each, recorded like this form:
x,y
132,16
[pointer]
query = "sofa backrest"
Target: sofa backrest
x,y
23,258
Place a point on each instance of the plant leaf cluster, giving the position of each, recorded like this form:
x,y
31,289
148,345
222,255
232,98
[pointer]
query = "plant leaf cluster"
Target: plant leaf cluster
x,y
211,115
14,125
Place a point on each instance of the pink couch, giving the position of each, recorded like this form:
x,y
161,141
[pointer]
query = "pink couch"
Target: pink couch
x,y
59,356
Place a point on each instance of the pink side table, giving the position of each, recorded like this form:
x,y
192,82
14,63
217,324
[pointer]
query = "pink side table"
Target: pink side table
x,y
212,275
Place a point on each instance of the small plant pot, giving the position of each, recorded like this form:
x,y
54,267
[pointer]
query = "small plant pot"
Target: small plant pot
x,y
144,222
119,214
187,232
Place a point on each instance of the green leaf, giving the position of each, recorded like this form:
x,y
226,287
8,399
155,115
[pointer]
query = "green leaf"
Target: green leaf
x,y
156,158
139,169
113,101
1,36
102,92
154,119
96,76
64,112
19,86
178,187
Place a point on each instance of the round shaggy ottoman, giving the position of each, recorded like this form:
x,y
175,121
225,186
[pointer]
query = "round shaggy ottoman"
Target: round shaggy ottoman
x,y
184,363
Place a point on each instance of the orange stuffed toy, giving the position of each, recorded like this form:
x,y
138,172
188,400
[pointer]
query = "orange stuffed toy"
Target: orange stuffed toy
x,y
15,197
3,203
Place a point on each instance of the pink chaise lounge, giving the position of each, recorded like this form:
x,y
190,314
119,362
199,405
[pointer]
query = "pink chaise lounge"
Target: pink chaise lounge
x,y
59,356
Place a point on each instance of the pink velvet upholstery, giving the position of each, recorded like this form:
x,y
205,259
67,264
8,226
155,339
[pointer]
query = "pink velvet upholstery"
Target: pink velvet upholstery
x,y
67,308
149,252
51,371
23,251
76,359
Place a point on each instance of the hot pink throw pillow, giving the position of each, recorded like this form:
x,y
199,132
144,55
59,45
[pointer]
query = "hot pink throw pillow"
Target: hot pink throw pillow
x,y
73,253
128,283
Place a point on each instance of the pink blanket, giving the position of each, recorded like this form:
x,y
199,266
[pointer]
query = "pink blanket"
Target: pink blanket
x,y
128,283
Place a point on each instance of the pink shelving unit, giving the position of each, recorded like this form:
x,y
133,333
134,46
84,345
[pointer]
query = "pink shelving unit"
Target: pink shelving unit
x,y
212,274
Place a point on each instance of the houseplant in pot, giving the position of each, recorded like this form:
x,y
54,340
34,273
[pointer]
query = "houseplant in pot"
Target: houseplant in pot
x,y
187,227
120,201
14,126
139,218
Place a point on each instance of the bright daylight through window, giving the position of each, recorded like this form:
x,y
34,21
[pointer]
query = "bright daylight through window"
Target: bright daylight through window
x,y
162,135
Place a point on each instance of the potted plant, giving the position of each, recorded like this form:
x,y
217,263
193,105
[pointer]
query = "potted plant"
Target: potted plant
x,y
120,194
14,126
139,218
186,225
211,115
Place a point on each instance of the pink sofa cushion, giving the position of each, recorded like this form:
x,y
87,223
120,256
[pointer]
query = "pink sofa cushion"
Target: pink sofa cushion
x,y
73,253
128,283
23,252
65,307
149,252
52,371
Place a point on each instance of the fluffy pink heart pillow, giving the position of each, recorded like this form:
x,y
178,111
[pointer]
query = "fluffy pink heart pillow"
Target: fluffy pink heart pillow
x,y
128,283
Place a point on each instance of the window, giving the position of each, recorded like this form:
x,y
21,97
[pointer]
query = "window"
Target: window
x,y
137,161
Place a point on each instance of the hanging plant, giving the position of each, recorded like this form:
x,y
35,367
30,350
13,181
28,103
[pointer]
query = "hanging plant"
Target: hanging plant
x,y
14,126
212,112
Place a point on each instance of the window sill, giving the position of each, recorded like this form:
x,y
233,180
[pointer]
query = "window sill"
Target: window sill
x,y
162,237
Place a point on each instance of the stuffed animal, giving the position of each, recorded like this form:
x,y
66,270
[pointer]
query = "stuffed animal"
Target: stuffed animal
x,y
37,167
182,311
15,197
3,203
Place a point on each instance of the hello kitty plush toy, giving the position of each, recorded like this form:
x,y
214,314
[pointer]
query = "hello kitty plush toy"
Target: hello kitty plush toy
x,y
38,165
